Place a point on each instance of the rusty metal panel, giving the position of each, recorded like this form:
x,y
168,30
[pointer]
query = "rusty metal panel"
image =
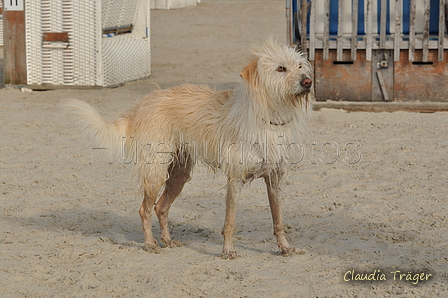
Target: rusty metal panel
x,y
14,47
382,75
55,36
421,81
348,80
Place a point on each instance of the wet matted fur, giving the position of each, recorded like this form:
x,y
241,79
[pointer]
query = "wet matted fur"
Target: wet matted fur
x,y
249,132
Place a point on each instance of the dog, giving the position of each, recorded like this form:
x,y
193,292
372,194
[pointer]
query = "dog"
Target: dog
x,y
249,132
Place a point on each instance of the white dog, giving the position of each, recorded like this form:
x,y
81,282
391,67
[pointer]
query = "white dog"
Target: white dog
x,y
249,132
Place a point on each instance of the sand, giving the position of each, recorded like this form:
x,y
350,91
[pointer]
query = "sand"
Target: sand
x,y
369,194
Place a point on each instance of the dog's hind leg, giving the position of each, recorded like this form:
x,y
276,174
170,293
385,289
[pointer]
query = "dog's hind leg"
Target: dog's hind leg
x,y
233,193
179,174
151,191
275,201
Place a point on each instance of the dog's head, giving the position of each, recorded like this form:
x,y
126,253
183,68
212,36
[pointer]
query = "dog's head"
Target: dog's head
x,y
282,74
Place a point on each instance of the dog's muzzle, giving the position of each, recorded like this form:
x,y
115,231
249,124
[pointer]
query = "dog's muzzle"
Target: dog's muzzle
x,y
304,87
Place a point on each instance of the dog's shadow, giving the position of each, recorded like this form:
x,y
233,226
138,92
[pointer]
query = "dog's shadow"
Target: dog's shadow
x,y
108,226
125,230
86,222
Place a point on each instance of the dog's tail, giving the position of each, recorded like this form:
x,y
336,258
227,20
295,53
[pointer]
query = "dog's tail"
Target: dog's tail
x,y
104,134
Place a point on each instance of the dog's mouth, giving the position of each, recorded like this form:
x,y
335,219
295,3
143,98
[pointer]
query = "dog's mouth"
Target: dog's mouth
x,y
298,95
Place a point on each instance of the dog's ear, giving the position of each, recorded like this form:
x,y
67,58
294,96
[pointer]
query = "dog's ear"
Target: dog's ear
x,y
250,74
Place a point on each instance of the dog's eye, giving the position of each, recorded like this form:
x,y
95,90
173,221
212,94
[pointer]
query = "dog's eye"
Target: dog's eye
x,y
300,65
281,69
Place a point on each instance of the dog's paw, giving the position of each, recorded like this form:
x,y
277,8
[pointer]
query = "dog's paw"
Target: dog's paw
x,y
152,248
291,251
229,255
173,243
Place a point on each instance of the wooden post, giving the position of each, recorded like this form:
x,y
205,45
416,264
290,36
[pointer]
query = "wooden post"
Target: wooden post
x,y
303,16
14,43
426,31
441,28
326,29
289,21
383,22
412,31
369,28
339,40
354,42
312,47
397,36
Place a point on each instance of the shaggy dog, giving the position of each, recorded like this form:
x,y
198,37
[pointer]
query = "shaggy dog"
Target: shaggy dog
x,y
250,132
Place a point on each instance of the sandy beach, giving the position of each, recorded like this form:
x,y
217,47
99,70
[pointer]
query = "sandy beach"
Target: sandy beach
x,y
368,198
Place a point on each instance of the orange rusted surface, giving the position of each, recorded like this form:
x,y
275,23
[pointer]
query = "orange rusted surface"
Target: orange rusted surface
x,y
14,47
344,82
355,82
421,82
55,36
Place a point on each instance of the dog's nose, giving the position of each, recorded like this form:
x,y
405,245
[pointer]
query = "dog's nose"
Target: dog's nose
x,y
306,83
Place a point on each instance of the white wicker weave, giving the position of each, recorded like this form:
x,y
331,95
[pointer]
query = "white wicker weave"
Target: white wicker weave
x,y
1,30
172,4
87,59
119,64
118,13
1,25
33,41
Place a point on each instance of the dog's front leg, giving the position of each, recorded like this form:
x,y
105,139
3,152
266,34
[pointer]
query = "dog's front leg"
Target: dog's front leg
x,y
275,202
233,193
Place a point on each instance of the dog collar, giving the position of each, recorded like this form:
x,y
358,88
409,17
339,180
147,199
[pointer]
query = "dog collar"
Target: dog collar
x,y
280,124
